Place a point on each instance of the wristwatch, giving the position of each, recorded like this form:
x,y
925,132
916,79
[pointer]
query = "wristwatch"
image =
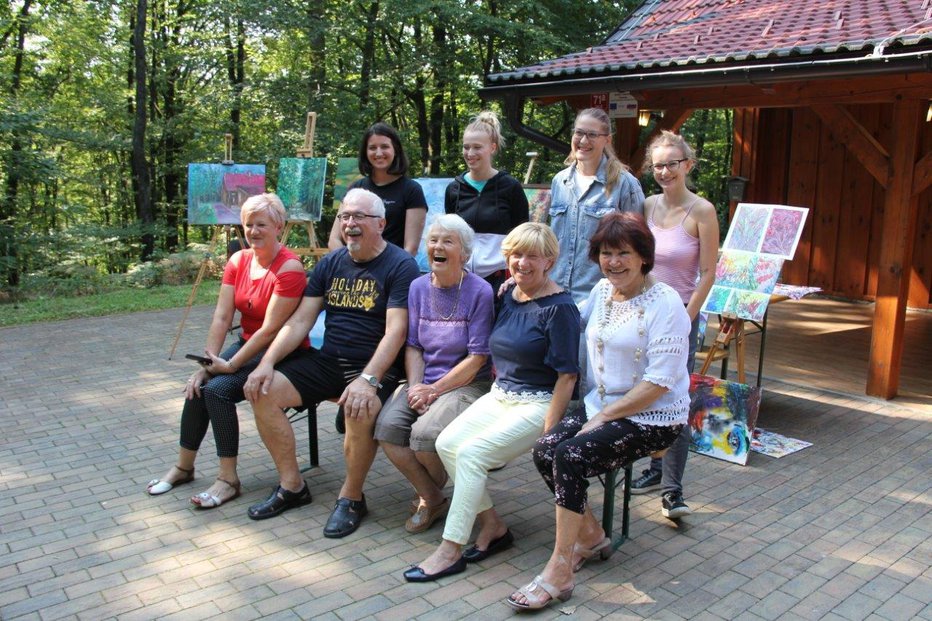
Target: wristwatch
x,y
371,380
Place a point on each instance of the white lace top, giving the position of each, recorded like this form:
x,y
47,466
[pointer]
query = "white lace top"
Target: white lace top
x,y
644,338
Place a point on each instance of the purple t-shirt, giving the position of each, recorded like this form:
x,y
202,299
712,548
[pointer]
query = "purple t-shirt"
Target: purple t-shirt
x,y
448,325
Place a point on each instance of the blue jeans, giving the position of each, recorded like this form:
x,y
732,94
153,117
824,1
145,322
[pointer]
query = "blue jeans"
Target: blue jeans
x,y
673,464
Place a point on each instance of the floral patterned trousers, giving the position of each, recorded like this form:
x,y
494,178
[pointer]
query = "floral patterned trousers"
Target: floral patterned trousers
x,y
566,460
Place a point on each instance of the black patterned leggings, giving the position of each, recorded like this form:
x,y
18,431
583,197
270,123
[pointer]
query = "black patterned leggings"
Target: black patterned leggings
x,y
566,460
217,407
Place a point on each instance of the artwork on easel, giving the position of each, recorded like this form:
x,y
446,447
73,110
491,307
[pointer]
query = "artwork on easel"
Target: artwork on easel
x,y
767,229
759,239
434,190
722,415
346,174
217,191
538,199
301,187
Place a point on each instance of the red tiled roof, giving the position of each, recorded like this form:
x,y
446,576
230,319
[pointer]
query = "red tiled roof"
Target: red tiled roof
x,y
231,181
664,33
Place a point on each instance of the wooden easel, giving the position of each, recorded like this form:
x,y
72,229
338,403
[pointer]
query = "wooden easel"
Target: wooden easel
x,y
530,167
732,329
306,150
228,230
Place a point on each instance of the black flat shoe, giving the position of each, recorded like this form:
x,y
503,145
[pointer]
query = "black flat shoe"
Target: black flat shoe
x,y
346,517
474,554
280,501
340,422
416,574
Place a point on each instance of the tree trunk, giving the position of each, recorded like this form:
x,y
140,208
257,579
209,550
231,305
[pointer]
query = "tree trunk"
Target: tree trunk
x,y
142,187
436,101
368,56
318,67
13,162
236,72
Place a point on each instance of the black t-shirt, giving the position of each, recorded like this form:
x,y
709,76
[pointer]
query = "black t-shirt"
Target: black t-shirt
x,y
357,296
399,196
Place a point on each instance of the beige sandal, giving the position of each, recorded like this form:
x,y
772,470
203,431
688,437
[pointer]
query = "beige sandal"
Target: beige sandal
x,y
209,501
533,601
604,549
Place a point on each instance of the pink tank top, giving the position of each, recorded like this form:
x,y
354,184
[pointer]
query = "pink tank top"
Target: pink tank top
x,y
676,256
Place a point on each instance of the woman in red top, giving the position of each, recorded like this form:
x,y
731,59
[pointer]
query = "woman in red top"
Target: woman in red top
x,y
264,283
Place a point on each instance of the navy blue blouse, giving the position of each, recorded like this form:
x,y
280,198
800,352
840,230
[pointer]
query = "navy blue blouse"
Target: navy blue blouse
x,y
532,342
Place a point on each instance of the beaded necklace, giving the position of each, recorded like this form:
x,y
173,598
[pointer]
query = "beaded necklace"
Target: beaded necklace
x,y
433,299
603,333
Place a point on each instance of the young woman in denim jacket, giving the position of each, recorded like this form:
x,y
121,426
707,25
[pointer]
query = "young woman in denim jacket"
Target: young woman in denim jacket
x,y
596,183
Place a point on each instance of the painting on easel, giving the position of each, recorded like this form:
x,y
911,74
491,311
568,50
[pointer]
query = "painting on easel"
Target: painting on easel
x,y
347,173
538,199
434,190
767,229
722,415
217,191
301,187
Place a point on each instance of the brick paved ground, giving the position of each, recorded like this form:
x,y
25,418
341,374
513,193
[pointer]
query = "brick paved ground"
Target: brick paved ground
x,y
89,412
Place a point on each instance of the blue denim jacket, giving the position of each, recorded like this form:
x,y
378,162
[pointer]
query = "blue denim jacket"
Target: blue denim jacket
x,y
574,221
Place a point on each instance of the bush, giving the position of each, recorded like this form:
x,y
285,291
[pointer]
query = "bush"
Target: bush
x,y
179,268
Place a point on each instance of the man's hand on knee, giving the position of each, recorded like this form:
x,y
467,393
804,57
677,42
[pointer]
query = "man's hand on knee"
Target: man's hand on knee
x,y
360,400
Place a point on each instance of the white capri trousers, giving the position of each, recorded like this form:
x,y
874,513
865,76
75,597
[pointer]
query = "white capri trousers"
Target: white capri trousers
x,y
489,433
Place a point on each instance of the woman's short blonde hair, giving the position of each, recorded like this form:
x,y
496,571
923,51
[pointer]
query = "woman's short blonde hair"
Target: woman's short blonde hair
x,y
264,202
531,237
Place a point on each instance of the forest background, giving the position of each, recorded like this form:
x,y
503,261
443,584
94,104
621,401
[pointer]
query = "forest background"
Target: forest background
x,y
104,103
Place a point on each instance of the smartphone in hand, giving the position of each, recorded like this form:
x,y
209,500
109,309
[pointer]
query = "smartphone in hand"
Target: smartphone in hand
x,y
199,359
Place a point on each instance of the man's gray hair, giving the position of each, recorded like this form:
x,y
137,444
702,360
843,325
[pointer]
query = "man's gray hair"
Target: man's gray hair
x,y
365,198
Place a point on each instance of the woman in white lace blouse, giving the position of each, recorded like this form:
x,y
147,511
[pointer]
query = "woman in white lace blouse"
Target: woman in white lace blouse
x,y
636,342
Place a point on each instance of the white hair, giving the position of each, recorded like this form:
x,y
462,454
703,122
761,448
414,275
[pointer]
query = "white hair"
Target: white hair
x,y
365,198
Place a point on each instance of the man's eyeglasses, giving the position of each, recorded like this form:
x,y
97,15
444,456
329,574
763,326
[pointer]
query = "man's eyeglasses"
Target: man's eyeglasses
x,y
581,133
672,165
346,217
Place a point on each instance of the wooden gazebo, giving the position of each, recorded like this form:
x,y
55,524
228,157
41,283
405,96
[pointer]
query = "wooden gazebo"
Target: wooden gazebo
x,y
831,99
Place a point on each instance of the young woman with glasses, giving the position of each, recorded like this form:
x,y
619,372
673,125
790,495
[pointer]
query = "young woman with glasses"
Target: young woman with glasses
x,y
596,183
685,227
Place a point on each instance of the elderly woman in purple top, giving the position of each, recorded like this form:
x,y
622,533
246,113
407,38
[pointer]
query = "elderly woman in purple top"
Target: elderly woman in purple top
x,y
447,365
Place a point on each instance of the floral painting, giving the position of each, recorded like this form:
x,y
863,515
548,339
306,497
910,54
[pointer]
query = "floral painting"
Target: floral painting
x,y
783,231
301,186
722,415
747,227
538,198
217,191
749,305
717,301
736,270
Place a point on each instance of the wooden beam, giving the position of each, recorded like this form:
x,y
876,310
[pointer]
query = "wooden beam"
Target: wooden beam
x,y
859,141
896,253
672,120
922,177
880,89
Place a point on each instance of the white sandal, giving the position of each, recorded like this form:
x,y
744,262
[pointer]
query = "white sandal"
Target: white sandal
x,y
604,549
209,501
157,487
533,601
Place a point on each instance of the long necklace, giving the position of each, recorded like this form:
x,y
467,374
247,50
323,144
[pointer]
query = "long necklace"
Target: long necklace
x,y
435,305
602,336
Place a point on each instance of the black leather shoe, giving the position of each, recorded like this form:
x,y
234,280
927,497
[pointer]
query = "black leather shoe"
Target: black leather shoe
x,y
281,500
346,517
416,574
474,554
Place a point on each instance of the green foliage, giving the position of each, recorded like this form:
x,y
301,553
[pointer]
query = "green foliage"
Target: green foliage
x,y
254,70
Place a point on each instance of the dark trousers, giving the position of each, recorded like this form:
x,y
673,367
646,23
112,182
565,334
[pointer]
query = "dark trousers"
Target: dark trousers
x,y
566,460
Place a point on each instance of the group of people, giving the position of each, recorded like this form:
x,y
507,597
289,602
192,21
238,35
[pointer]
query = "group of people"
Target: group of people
x,y
572,340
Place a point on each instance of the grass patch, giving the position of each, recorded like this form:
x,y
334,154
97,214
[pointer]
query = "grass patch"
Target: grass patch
x,y
128,300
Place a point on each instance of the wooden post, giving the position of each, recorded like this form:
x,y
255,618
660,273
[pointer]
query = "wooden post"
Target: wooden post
x,y
900,210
